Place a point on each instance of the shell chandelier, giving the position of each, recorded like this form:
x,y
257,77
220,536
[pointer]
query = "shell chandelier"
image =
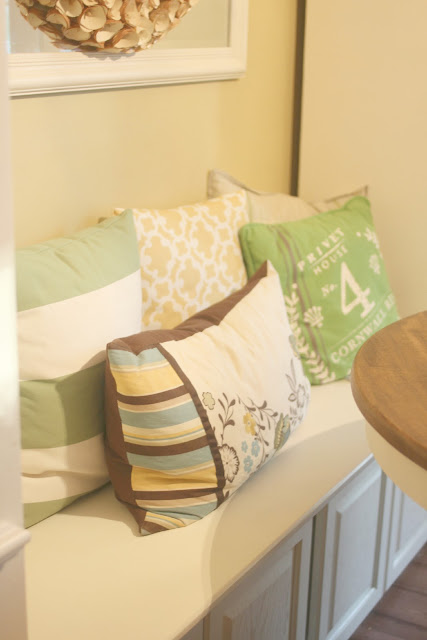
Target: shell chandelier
x,y
104,25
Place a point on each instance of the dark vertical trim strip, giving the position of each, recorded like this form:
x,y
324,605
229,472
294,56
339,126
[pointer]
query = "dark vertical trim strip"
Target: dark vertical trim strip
x,y
298,82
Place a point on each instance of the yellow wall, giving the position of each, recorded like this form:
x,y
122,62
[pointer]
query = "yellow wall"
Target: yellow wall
x,y
365,121
77,156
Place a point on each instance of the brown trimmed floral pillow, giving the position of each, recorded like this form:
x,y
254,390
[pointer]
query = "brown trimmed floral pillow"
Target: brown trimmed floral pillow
x,y
193,411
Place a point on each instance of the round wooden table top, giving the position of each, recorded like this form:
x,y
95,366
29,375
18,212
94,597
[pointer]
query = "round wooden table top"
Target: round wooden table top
x,y
389,384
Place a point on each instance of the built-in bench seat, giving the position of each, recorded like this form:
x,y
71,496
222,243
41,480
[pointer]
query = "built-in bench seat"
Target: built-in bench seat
x,y
91,576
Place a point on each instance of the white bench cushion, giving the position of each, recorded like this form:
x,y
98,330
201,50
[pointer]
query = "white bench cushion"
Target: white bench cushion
x,y
90,575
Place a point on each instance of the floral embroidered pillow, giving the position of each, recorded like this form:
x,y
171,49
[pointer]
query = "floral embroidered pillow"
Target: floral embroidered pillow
x,y
334,283
193,411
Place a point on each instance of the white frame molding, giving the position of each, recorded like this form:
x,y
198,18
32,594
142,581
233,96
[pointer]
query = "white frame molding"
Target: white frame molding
x,y
31,74
12,540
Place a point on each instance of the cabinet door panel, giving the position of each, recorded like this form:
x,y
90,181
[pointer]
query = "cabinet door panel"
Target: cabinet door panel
x,y
264,617
408,533
270,603
349,555
196,633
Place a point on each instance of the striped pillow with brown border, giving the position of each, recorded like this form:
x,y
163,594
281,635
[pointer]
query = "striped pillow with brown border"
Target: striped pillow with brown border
x,y
193,411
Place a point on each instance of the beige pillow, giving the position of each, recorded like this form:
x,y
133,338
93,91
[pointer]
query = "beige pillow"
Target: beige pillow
x,y
190,257
272,208
336,202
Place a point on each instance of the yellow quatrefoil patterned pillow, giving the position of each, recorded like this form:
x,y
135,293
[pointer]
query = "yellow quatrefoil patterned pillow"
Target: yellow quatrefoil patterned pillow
x,y
190,257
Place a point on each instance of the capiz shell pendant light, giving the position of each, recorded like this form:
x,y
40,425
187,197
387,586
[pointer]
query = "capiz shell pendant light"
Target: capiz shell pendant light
x,y
104,25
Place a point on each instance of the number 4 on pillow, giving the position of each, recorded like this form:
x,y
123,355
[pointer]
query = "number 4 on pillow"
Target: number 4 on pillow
x,y
361,296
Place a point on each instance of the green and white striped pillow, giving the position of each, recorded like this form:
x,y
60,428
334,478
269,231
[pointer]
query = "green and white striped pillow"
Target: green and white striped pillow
x,y
75,294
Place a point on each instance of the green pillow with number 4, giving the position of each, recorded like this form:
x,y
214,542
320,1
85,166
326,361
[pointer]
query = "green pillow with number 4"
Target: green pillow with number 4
x,y
334,283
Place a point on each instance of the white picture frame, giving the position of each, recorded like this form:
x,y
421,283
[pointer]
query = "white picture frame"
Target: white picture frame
x,y
61,72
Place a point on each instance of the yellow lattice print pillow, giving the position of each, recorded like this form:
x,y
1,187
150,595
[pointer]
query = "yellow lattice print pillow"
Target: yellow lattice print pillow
x,y
190,257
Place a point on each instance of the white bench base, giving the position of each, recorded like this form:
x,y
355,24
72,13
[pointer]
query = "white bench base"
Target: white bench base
x,y
90,575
